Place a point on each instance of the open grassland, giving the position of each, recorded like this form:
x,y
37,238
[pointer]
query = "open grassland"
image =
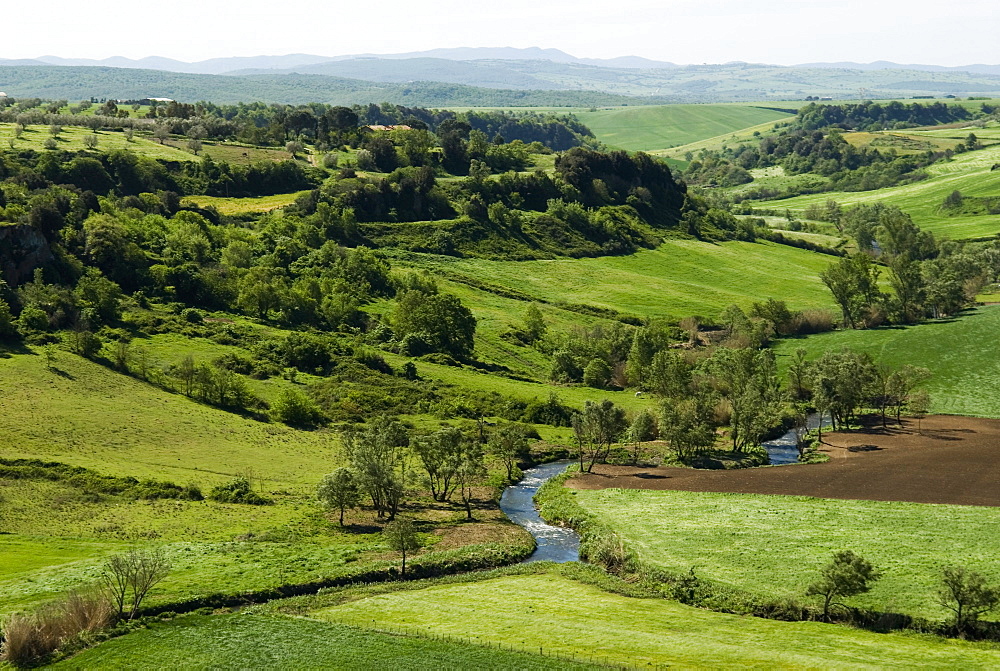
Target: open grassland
x,y
969,173
244,641
86,415
660,127
962,354
71,139
571,618
679,278
236,154
234,206
749,136
901,143
776,545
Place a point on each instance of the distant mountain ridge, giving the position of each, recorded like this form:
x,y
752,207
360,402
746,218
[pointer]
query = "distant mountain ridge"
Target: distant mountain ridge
x,y
217,66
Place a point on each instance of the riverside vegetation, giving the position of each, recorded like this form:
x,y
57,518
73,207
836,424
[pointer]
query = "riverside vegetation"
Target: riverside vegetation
x,y
393,296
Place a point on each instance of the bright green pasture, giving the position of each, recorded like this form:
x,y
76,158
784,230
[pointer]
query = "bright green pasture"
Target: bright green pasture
x,y
243,641
571,618
776,545
660,127
71,139
969,173
963,355
233,206
679,278
86,415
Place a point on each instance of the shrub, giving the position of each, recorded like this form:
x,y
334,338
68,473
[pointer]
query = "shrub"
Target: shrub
x,y
295,408
238,490
192,316
28,638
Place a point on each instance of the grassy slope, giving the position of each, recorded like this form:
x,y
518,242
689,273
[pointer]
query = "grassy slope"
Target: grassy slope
x,y
278,642
775,545
231,206
962,355
662,126
71,139
969,173
571,618
680,278
117,425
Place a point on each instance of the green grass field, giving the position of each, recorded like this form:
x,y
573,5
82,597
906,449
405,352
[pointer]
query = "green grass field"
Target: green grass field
x,y
118,425
680,278
572,618
244,641
969,173
231,206
775,545
962,354
660,127
71,139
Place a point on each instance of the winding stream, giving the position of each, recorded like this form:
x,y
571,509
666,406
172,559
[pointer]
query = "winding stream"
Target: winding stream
x,y
783,450
556,544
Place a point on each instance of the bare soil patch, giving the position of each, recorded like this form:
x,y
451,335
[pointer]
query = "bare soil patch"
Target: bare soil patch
x,y
953,460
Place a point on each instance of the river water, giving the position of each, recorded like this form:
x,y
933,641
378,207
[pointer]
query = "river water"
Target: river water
x,y
783,450
556,544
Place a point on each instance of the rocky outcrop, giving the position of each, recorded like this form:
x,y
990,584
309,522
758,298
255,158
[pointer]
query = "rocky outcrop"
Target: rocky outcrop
x,y
22,249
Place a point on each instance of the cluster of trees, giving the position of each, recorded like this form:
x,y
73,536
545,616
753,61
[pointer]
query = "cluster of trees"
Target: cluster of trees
x,y
381,456
276,124
839,384
927,278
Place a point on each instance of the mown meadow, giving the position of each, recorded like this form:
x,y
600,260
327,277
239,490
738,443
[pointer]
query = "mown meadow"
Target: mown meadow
x,y
776,545
960,353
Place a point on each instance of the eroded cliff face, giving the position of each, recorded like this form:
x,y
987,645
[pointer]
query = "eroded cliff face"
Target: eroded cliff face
x,y
22,249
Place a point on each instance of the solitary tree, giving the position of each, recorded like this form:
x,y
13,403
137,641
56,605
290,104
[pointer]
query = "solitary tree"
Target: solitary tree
x,y
509,444
595,429
966,594
848,574
339,491
128,577
401,536
90,141
378,460
534,324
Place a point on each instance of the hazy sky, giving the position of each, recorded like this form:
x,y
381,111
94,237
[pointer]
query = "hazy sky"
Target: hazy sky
x,y
683,31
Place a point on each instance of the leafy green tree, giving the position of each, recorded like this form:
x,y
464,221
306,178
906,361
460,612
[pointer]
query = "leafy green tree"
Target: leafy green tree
x,y
339,491
849,574
686,425
445,324
8,328
378,459
295,408
470,472
440,454
401,536
853,281
669,374
509,443
534,324
90,141
748,379
597,373
966,594
595,430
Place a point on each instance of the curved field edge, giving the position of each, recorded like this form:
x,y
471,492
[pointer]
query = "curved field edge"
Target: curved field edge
x,y
963,355
774,546
969,173
243,640
572,618
680,278
659,127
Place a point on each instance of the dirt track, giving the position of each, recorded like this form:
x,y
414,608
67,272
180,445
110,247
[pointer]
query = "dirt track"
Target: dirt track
x,y
953,460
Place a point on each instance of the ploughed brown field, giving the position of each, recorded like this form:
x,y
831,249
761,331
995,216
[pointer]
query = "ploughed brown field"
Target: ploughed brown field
x,y
952,460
